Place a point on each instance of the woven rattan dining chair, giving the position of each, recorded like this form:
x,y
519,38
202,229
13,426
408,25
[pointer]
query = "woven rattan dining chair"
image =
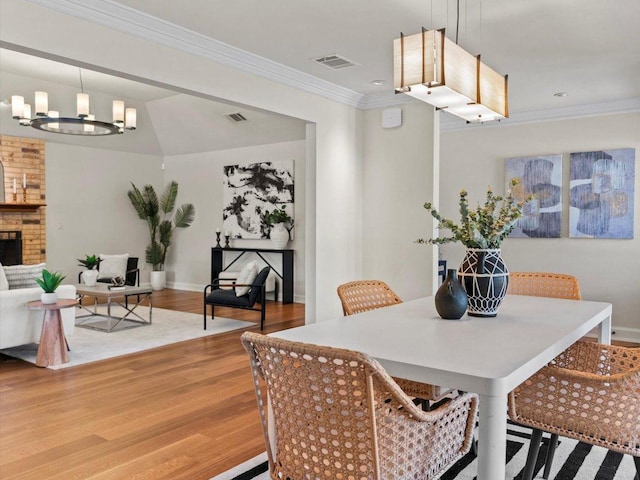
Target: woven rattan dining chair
x,y
337,414
552,285
590,392
544,284
363,295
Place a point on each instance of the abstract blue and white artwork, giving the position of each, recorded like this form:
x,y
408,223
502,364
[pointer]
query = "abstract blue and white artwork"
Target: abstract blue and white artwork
x,y
602,194
250,190
541,176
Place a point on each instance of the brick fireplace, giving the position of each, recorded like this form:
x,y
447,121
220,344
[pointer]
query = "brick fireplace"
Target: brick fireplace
x,y
24,159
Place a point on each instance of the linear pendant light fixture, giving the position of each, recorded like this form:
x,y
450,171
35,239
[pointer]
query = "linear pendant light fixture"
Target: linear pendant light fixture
x,y
84,124
430,67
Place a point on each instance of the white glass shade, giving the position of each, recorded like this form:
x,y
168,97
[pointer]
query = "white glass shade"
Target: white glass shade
x,y
54,114
118,111
130,119
42,103
25,121
88,127
430,67
83,104
17,106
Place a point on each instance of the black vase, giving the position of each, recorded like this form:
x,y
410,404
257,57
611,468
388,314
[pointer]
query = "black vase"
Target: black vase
x,y
451,299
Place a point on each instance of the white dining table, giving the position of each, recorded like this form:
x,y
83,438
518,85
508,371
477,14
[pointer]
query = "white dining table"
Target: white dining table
x,y
488,356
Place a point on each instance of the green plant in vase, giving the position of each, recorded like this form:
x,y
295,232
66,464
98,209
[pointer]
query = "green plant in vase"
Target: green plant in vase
x,y
90,274
49,282
281,224
482,230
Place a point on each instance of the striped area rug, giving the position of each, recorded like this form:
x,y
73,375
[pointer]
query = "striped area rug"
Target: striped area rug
x,y
573,461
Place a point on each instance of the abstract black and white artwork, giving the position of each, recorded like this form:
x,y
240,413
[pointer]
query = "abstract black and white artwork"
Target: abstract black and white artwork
x,y
250,190
541,176
602,194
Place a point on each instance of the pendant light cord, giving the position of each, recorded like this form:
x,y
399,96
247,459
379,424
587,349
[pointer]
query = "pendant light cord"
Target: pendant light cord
x,y
457,19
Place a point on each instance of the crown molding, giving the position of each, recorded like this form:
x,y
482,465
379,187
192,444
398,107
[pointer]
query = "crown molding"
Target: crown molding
x,y
111,14
133,22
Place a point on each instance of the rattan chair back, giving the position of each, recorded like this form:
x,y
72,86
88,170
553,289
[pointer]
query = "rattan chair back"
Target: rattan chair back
x,y
363,295
337,414
590,392
544,284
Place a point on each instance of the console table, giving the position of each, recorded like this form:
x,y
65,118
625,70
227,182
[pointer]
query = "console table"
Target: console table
x,y
217,266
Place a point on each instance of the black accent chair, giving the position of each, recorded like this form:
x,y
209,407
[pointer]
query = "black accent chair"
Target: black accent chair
x,y
215,296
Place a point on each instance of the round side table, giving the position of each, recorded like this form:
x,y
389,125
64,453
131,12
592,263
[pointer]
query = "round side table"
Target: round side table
x,y
52,349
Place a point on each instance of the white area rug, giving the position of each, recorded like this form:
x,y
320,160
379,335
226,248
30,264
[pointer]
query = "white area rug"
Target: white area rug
x,y
168,327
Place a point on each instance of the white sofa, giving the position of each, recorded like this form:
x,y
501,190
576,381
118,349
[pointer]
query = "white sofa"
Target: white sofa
x,y
19,326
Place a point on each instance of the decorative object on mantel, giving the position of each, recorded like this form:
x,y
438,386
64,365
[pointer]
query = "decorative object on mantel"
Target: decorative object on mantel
x,y
250,190
482,272
451,299
430,67
218,238
280,227
161,229
84,124
49,282
90,274
226,239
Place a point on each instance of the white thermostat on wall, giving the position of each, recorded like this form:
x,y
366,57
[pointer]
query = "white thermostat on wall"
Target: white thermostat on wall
x,y
391,117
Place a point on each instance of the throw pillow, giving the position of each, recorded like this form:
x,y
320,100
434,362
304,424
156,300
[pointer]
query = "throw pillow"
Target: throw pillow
x,y
23,276
247,275
4,284
112,265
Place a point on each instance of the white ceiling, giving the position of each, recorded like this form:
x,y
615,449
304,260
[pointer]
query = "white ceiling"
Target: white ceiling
x,y
587,48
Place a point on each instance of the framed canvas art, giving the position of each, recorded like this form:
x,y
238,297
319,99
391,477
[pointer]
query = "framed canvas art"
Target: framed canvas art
x,y
250,190
602,194
540,175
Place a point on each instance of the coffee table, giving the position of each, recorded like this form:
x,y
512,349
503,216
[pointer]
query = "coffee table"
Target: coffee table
x,y
116,296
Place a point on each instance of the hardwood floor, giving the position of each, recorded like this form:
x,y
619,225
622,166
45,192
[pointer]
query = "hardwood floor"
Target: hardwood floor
x,y
184,411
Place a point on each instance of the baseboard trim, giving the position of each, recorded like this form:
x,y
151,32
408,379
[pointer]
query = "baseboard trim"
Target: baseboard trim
x,y
624,334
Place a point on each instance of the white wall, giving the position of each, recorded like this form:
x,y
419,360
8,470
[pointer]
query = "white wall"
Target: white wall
x,y
398,179
88,211
338,181
200,180
608,270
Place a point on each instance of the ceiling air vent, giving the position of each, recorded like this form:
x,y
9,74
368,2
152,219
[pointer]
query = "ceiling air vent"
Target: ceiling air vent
x,y
334,62
236,117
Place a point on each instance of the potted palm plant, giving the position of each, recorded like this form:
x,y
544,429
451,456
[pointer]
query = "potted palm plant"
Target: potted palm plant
x,y
49,282
157,214
90,274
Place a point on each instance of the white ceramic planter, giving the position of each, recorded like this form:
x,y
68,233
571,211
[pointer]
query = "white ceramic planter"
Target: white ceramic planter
x,y
49,298
89,277
158,280
279,236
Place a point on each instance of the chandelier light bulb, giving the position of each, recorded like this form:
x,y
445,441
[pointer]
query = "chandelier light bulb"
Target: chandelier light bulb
x,y
130,119
25,120
118,111
54,114
89,127
83,104
42,103
17,106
